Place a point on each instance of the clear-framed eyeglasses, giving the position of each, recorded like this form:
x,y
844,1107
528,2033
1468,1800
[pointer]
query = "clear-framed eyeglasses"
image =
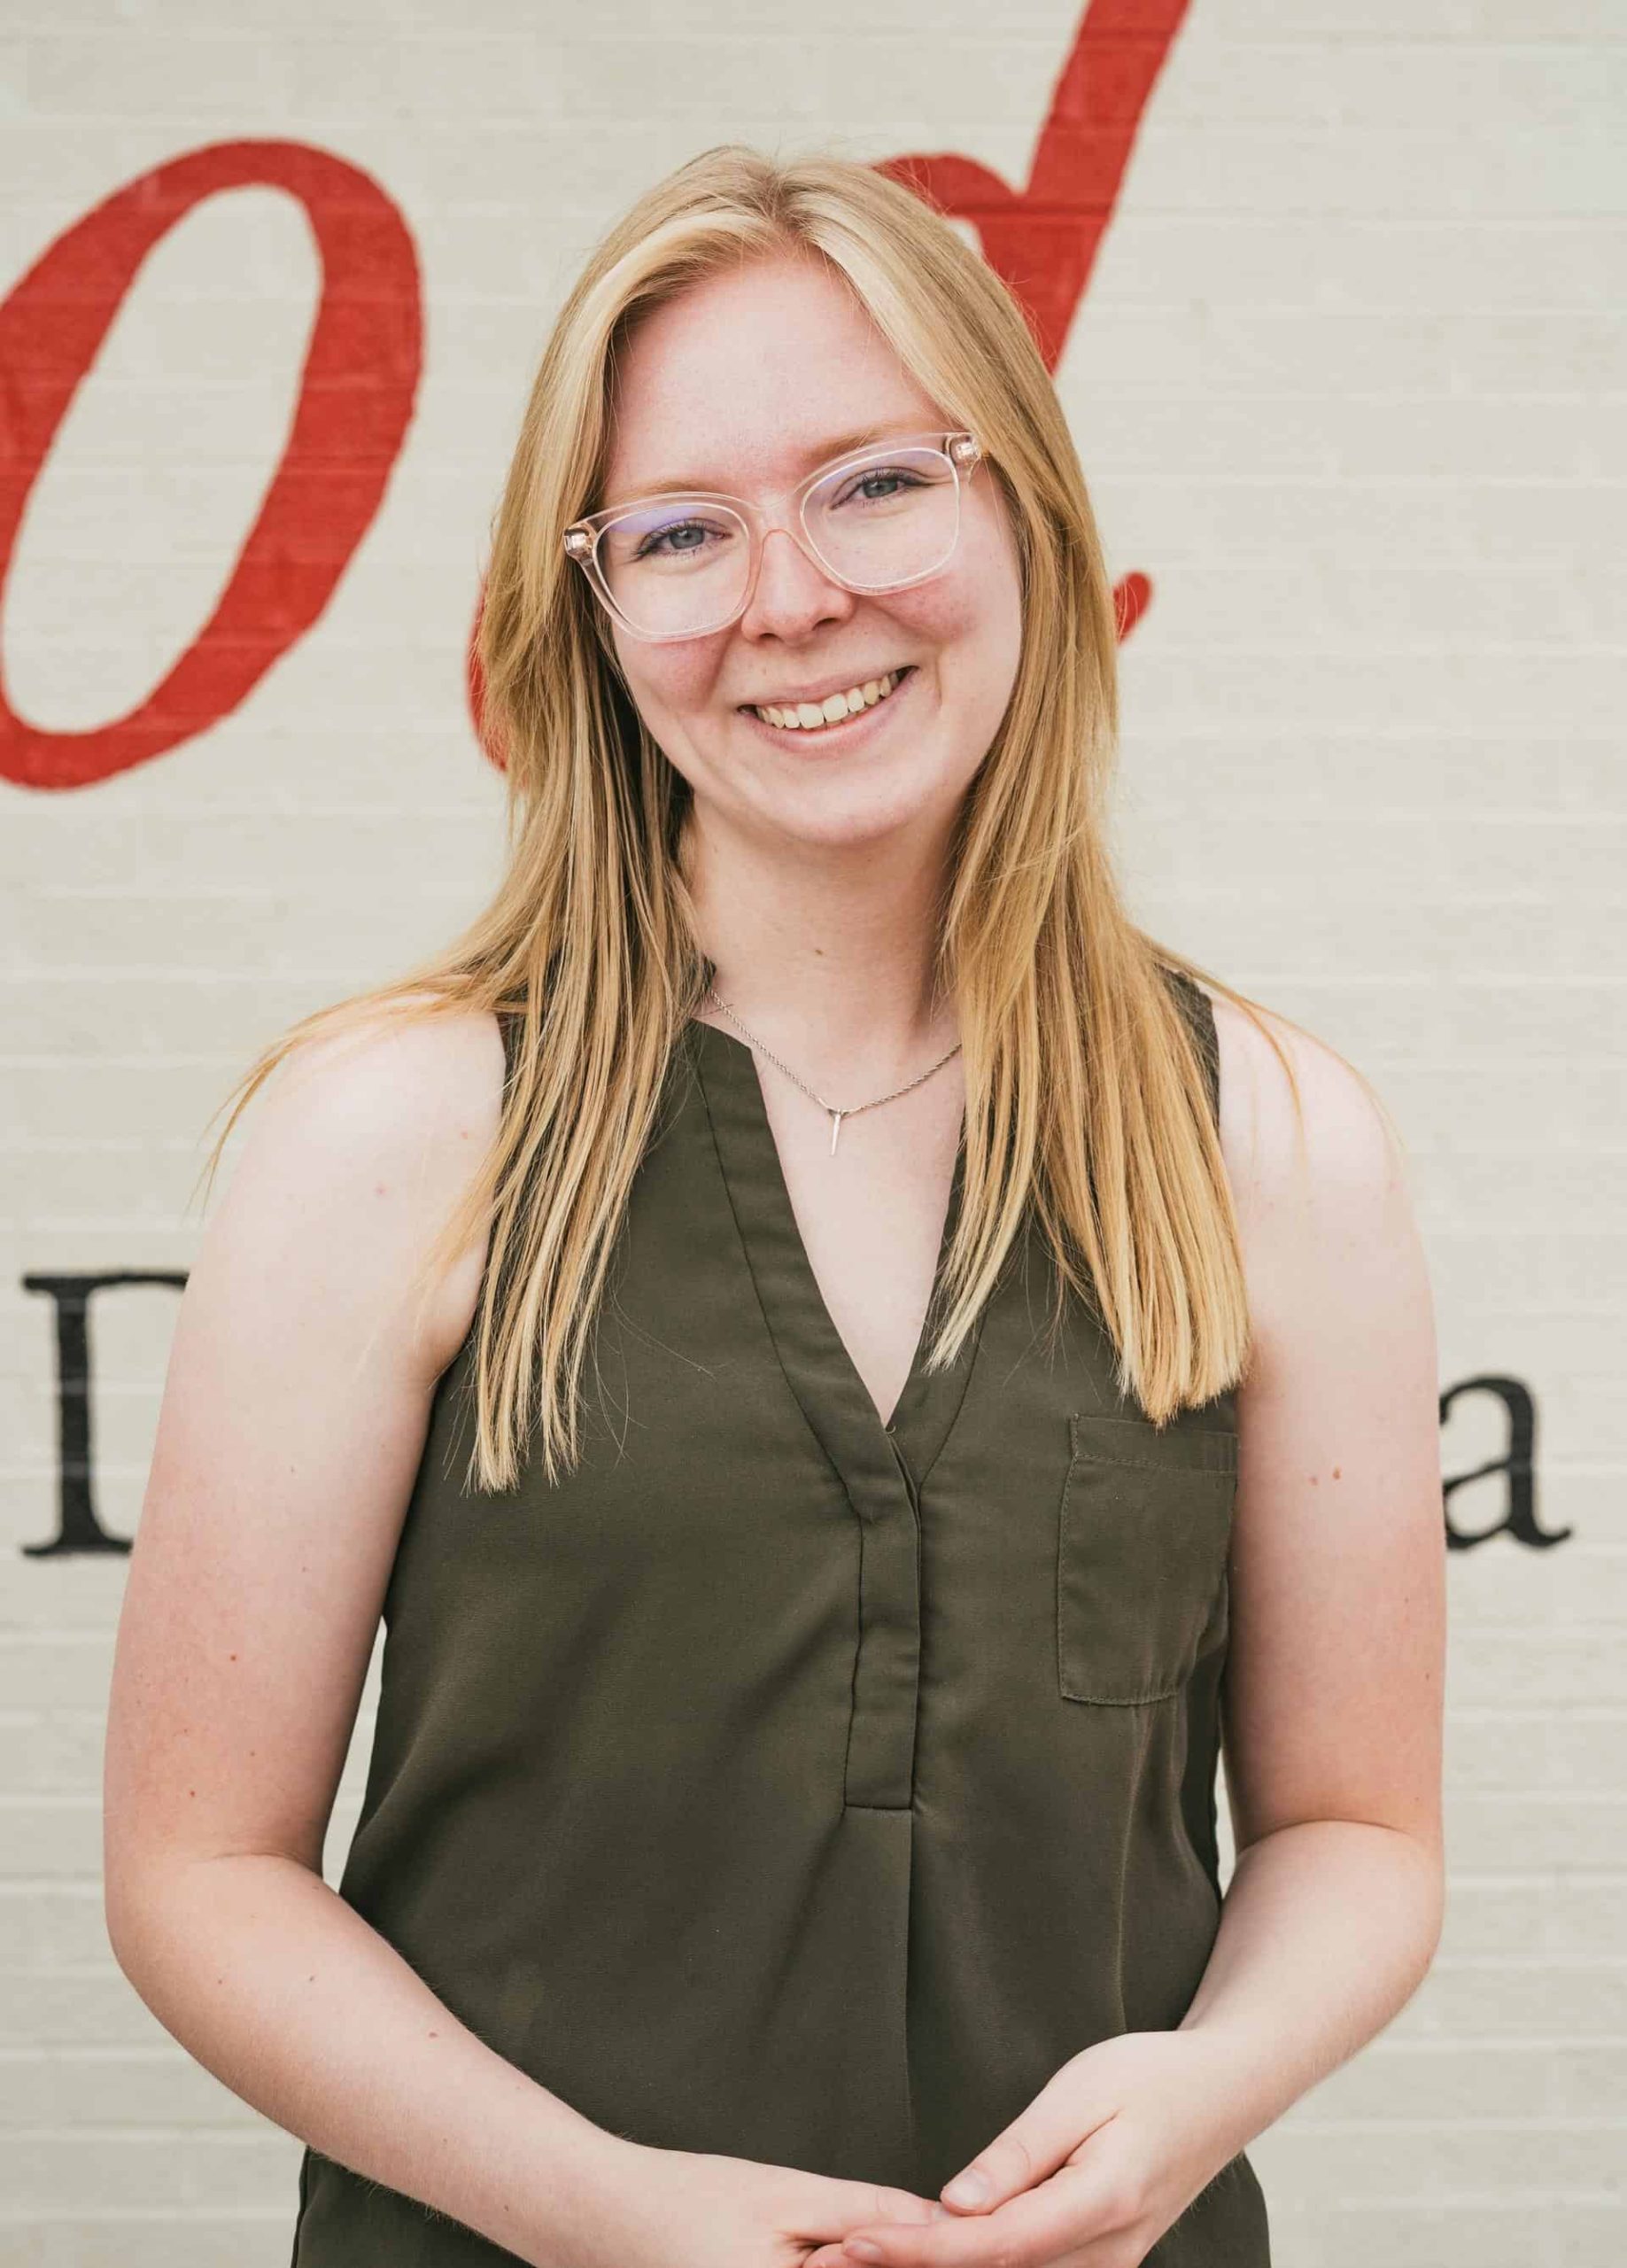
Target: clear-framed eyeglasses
x,y
877,519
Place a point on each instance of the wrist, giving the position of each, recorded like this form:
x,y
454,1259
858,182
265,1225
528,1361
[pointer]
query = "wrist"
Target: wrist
x,y
1237,2068
579,2178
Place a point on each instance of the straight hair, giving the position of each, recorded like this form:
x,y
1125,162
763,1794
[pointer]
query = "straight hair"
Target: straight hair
x,y
1087,1096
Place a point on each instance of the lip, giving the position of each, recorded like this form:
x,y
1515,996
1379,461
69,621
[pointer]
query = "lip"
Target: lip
x,y
823,692
849,731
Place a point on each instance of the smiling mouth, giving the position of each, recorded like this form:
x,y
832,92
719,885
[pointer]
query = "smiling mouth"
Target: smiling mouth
x,y
815,716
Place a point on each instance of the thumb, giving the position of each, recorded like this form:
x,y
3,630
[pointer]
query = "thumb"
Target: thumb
x,y
857,2205
904,2205
1029,2151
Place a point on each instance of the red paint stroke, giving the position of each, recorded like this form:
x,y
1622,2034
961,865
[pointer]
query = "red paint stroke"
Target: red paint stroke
x,y
355,402
474,689
1131,599
1041,241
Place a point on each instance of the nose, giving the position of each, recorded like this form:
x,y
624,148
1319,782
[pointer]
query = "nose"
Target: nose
x,y
792,592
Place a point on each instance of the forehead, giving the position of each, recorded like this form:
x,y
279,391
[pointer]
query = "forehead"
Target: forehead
x,y
744,380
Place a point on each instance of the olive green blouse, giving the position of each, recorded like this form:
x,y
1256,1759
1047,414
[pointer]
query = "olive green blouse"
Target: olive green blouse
x,y
783,1783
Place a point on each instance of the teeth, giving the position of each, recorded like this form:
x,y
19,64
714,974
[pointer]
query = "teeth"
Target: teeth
x,y
810,716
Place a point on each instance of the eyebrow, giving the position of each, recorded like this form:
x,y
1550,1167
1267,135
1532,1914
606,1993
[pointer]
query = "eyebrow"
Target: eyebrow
x,y
819,453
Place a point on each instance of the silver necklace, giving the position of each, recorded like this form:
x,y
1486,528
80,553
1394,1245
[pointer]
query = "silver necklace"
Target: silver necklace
x,y
835,1115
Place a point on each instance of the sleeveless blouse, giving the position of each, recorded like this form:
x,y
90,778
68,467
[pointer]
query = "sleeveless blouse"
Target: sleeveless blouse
x,y
783,1783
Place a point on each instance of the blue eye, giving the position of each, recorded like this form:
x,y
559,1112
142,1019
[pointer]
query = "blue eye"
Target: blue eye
x,y
646,549
893,473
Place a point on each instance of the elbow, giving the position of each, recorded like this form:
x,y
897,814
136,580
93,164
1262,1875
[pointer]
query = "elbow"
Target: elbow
x,y
1428,1890
146,1898
133,1906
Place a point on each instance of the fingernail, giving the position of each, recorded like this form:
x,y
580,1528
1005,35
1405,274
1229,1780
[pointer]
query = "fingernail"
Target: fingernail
x,y
967,2189
862,2249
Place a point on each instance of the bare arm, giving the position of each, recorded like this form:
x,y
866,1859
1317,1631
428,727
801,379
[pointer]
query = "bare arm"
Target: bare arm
x,y
1333,1686
293,1419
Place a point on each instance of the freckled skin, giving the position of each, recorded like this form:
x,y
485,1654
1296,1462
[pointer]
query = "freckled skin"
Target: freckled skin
x,y
734,384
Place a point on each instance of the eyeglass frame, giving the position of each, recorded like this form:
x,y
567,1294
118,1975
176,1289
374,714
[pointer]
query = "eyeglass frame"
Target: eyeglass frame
x,y
961,449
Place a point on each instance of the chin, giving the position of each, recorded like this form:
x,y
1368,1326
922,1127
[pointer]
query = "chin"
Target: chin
x,y
845,822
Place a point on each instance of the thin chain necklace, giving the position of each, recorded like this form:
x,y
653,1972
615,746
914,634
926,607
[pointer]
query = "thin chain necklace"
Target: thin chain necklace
x,y
835,1115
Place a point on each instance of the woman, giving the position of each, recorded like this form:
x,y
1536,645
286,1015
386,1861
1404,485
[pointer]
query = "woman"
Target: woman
x,y
793,1781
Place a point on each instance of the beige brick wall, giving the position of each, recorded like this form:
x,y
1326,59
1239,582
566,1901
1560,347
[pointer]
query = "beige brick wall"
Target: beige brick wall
x,y
1347,380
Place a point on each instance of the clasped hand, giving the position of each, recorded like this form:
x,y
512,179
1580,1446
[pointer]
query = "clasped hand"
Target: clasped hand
x,y
1108,2155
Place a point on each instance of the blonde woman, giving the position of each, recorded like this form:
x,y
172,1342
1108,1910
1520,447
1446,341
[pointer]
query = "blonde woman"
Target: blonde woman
x,y
844,1365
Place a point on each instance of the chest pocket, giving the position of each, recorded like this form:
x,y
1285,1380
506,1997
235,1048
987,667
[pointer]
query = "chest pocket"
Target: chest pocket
x,y
1142,1537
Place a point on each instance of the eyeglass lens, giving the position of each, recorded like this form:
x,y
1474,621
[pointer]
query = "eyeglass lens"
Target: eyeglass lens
x,y
679,566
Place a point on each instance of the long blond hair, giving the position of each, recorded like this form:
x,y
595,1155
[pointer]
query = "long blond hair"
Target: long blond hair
x,y
1086,1096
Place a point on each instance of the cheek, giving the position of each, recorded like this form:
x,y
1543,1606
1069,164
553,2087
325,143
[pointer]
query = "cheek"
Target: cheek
x,y
974,611
940,616
971,622
675,681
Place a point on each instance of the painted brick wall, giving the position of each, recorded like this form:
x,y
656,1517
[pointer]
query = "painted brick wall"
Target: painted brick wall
x,y
1346,377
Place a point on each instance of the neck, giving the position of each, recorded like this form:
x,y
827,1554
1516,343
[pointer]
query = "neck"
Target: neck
x,y
828,957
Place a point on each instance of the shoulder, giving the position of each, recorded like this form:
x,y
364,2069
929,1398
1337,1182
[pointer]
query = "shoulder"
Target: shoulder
x,y
1316,1166
395,1079
1293,1105
364,1139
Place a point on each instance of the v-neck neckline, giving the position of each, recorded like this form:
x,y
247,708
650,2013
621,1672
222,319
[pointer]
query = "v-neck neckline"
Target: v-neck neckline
x,y
812,1353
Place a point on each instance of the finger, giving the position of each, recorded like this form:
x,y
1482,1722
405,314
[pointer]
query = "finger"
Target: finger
x,y
881,2203
1039,2140
1061,2219
842,2205
955,2240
